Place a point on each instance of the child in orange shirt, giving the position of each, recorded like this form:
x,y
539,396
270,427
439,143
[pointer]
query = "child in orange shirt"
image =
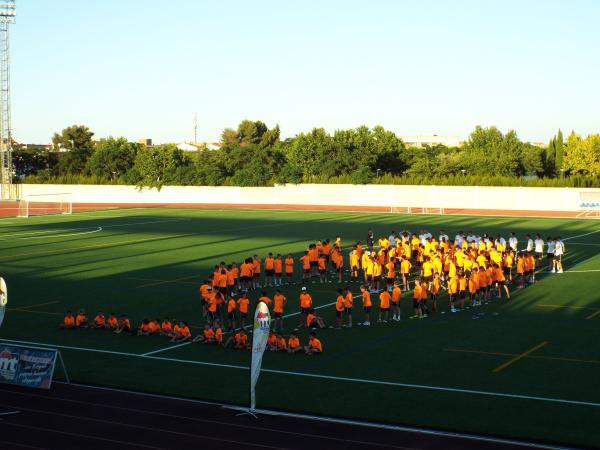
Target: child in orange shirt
x,y
281,344
144,329
99,321
314,345
68,322
123,325
207,336
112,323
182,334
293,344
81,319
313,321
272,342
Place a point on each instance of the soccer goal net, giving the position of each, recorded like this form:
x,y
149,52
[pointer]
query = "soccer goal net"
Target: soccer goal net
x,y
589,204
43,204
400,209
415,210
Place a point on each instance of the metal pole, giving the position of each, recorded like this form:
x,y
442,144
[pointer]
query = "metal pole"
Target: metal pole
x,y
7,16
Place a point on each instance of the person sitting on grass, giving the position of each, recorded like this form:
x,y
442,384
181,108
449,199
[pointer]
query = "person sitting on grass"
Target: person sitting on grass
x,y
154,326
293,344
182,334
99,321
207,336
144,328
124,325
113,322
218,333
240,341
166,327
281,344
81,319
68,322
272,342
313,321
314,345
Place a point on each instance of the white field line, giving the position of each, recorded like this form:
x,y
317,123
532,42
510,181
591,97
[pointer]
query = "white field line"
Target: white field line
x,y
48,236
145,223
172,347
332,378
584,243
581,235
44,232
581,271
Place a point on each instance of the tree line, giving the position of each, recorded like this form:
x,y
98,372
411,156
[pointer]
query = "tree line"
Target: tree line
x,y
254,155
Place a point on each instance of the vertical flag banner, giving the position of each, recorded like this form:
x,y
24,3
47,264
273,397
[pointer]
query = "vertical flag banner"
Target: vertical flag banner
x,y
260,335
3,299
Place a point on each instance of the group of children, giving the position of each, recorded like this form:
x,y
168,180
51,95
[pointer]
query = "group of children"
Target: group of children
x,y
180,332
176,331
470,268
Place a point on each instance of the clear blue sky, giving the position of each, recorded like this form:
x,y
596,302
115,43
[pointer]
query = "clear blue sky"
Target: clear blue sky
x,y
142,68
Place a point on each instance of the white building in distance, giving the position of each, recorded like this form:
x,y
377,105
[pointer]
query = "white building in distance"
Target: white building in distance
x,y
432,140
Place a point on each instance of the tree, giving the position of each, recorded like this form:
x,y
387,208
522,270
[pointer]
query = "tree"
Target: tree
x,y
270,137
250,133
157,165
551,158
30,161
559,152
308,151
582,156
229,137
489,152
113,157
77,139
532,160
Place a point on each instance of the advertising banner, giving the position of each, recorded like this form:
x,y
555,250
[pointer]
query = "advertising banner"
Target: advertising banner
x,y
26,366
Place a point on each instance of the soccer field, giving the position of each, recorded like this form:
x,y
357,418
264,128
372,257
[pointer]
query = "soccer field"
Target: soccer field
x,y
527,369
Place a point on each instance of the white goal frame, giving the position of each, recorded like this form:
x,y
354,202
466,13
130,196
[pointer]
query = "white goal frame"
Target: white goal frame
x,y
415,210
45,204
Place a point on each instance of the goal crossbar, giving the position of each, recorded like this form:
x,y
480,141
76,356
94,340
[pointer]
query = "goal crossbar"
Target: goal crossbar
x,y
415,210
45,204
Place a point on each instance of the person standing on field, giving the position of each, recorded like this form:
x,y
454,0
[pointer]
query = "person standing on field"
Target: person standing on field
x,y
559,250
539,249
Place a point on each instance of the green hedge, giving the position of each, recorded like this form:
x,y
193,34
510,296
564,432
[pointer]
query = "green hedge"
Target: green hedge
x,y
453,180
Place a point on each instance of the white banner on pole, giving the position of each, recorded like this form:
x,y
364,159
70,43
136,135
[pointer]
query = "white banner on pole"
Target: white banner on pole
x,y
3,299
260,335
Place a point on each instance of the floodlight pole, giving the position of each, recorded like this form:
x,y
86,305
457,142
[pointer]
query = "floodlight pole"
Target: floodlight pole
x,y
7,17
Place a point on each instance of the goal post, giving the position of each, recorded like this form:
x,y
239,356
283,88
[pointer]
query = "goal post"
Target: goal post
x,y
45,204
415,210
400,210
433,210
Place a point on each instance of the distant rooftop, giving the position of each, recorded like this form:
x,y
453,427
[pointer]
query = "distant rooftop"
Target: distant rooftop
x,y
431,139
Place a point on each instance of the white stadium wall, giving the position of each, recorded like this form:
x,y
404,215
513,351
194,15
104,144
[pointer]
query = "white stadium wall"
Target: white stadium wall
x,y
383,196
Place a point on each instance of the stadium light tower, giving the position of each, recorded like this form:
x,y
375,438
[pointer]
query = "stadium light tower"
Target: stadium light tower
x,y
7,17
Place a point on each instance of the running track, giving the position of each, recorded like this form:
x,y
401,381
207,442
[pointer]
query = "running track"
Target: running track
x,y
84,417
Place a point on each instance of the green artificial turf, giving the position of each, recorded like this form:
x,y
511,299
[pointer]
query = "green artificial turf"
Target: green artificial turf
x,y
55,263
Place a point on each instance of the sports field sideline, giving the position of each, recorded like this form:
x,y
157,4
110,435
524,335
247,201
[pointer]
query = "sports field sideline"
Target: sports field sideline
x,y
506,369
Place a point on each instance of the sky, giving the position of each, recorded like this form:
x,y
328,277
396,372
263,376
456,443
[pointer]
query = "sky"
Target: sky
x,y
143,68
